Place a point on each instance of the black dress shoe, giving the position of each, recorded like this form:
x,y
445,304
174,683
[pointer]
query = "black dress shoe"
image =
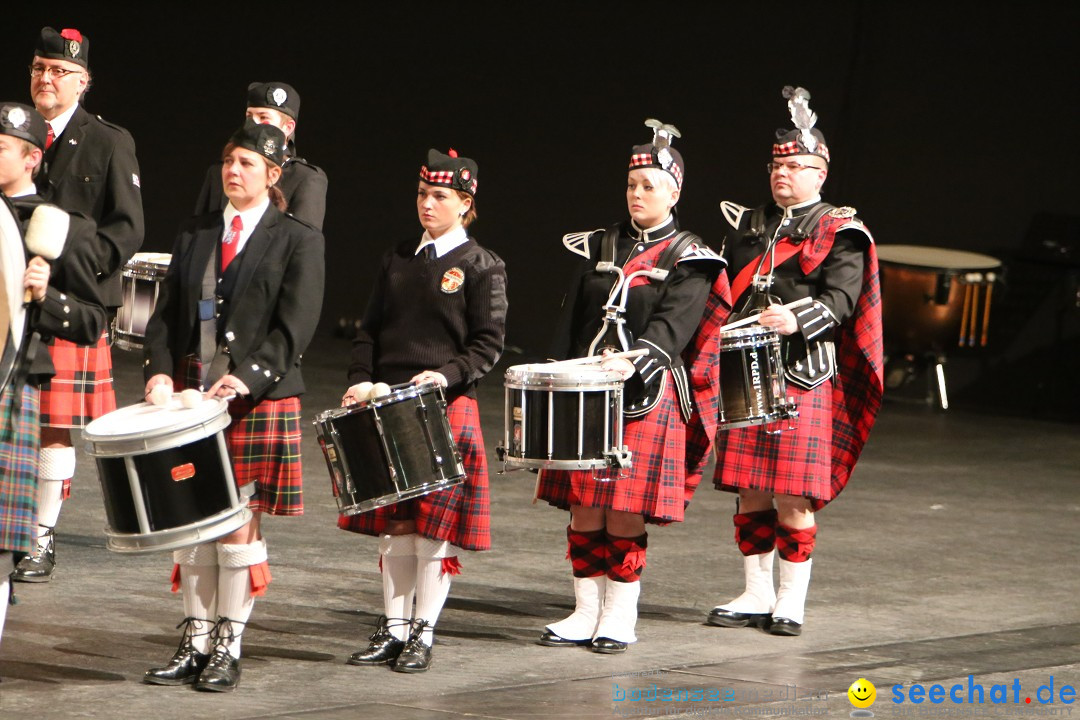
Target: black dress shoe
x,y
607,646
184,668
550,639
38,566
415,657
731,619
384,647
221,674
783,626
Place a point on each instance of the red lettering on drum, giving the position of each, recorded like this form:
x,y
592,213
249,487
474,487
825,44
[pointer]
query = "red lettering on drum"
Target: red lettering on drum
x,y
183,472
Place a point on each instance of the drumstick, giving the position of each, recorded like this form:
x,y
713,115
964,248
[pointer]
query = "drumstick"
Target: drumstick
x,y
986,315
974,316
754,318
591,359
46,235
964,314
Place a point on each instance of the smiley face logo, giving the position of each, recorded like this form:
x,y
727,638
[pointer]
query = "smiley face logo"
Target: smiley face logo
x,y
862,693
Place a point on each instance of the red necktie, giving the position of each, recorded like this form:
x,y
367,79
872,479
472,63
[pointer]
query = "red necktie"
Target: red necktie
x,y
230,242
49,137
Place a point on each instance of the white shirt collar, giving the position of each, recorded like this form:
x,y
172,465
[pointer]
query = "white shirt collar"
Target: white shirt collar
x,y
249,219
30,189
60,122
444,243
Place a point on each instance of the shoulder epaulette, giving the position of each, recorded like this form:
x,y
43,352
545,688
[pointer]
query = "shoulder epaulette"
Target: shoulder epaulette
x,y
699,251
733,213
842,212
578,242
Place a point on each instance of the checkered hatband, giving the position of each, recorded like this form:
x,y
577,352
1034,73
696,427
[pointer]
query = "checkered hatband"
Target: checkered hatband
x,y
667,159
791,143
449,170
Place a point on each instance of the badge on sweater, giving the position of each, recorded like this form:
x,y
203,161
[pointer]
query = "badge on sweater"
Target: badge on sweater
x,y
452,280
842,212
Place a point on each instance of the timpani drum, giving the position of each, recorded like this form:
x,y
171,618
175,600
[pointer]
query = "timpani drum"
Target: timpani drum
x,y
140,282
934,298
563,417
752,386
166,475
390,448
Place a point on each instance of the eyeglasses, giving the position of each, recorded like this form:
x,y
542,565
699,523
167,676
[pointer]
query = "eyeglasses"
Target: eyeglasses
x,y
791,167
58,73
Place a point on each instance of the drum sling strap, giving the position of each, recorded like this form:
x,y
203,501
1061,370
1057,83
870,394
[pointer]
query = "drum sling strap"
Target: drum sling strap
x,y
215,362
668,257
784,249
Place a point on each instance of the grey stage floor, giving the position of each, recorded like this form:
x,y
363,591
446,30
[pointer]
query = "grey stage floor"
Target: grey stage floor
x,y
951,554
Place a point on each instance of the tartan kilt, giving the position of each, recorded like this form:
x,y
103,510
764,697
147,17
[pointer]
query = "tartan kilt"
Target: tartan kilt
x,y
82,388
792,462
461,514
264,444
19,446
654,486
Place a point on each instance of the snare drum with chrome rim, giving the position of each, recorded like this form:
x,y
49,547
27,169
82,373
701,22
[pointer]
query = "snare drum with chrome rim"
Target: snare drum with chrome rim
x,y
166,476
563,417
389,449
752,386
141,281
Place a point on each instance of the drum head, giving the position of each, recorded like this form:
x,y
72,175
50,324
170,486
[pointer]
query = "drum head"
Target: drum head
x,y
145,427
942,259
557,376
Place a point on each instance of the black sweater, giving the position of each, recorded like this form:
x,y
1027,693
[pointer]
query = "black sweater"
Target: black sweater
x,y
446,314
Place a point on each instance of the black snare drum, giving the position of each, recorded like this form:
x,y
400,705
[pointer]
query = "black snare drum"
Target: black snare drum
x,y
166,475
563,417
752,386
141,279
390,448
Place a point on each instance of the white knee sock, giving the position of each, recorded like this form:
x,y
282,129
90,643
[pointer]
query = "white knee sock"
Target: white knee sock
x,y
398,553
7,566
432,584
199,587
55,466
234,587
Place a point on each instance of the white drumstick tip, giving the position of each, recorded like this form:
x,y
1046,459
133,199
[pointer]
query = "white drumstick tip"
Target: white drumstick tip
x,y
363,391
379,389
160,394
191,398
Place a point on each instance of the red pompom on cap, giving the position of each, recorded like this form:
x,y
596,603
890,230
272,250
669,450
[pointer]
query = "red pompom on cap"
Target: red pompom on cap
x,y
71,34
452,153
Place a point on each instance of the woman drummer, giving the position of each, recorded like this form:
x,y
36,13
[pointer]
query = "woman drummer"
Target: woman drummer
x,y
236,310
437,314
607,538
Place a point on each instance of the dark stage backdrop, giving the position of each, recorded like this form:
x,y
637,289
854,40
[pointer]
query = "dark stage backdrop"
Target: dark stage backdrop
x,y
951,124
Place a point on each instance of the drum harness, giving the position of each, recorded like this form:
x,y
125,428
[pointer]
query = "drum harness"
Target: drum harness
x,y
612,333
760,298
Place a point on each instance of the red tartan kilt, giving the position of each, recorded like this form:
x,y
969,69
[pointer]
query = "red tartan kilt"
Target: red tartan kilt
x,y
82,388
264,444
461,514
793,462
655,486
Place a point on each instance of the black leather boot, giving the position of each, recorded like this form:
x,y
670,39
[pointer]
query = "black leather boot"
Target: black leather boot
x,y
186,663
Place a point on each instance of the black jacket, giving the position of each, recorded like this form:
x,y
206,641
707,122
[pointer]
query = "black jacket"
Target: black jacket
x,y
91,169
275,302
